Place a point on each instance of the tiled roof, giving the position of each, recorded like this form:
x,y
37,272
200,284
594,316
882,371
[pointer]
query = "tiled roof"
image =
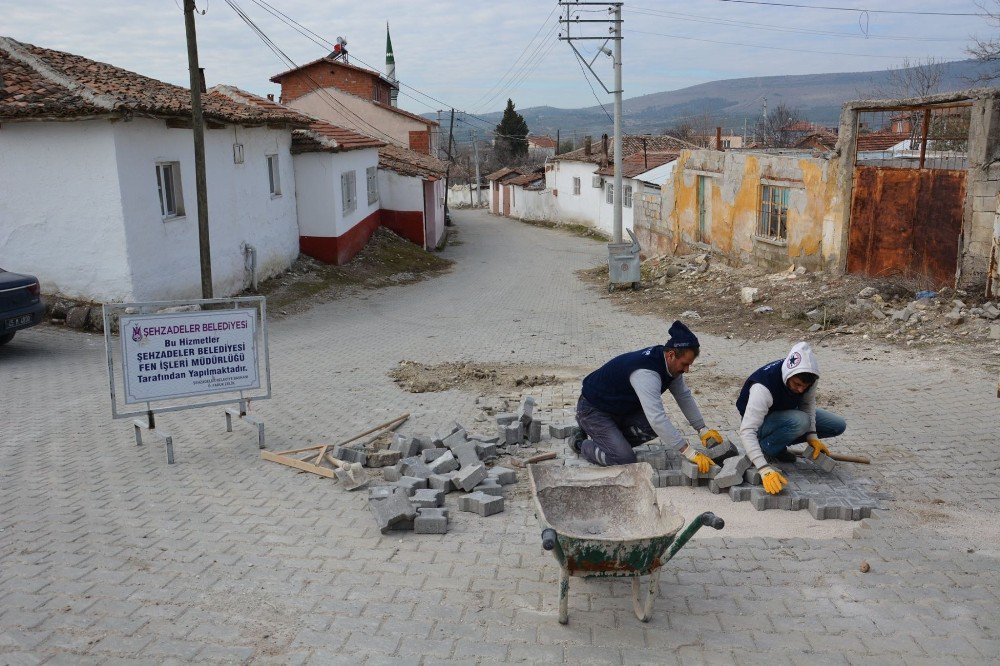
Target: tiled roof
x,y
42,83
636,163
319,136
631,144
800,126
822,139
542,141
408,162
880,140
525,179
500,173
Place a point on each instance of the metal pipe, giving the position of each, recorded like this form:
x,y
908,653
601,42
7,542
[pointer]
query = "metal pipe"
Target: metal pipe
x,y
923,136
707,518
618,124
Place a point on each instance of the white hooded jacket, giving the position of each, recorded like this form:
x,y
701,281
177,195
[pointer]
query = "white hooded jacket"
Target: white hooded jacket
x,y
800,359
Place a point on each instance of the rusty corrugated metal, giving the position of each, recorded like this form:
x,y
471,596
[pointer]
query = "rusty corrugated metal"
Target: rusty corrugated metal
x,y
906,222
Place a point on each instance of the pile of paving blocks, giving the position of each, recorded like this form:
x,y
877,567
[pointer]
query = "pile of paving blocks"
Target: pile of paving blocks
x,y
819,486
429,468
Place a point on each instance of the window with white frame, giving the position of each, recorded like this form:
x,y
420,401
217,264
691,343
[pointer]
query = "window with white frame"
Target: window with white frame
x,y
348,192
627,196
772,219
371,175
273,175
609,192
576,185
168,185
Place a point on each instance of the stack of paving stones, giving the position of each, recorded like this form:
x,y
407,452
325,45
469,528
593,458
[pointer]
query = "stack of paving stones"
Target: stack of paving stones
x,y
823,488
429,468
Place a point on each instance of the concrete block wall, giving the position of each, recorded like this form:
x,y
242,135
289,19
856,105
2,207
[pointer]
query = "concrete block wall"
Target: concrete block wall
x,y
982,187
653,236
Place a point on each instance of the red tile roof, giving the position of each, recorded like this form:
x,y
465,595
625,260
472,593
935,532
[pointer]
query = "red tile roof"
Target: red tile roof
x,y
525,179
631,144
800,126
824,139
319,136
41,83
500,173
542,141
408,162
635,164
880,140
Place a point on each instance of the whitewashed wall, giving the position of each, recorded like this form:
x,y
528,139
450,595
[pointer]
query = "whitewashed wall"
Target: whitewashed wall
x,y
164,254
318,192
61,210
435,213
535,205
401,193
590,207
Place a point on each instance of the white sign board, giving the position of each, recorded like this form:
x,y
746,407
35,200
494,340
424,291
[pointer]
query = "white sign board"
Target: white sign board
x,y
188,353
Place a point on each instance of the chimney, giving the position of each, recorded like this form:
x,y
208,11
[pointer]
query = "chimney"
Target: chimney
x,y
604,147
586,145
270,97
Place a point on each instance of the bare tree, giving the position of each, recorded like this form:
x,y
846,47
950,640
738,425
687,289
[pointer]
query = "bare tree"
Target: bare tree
x,y
768,131
987,49
915,79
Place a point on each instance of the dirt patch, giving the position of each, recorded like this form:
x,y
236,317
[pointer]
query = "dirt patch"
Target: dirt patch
x,y
749,303
476,377
387,260
580,230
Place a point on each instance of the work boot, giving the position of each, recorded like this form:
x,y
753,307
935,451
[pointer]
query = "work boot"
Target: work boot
x,y
577,440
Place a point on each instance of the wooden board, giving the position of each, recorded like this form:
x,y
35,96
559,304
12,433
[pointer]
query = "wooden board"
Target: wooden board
x,y
297,464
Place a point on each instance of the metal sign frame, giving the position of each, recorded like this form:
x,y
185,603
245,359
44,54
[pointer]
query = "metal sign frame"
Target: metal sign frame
x,y
177,404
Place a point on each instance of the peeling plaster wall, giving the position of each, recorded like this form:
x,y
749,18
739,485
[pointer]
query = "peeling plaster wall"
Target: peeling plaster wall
x,y
732,198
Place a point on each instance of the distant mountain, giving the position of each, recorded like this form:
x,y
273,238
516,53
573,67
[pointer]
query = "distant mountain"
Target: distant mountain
x,y
730,101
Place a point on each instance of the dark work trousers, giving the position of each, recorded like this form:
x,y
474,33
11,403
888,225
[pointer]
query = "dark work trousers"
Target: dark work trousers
x,y
610,438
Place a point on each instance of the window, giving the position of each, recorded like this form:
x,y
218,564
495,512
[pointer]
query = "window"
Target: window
x,y
371,174
273,175
609,193
348,191
576,185
168,183
773,219
627,197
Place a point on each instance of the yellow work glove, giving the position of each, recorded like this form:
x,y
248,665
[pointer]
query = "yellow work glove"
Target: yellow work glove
x,y
818,447
773,480
703,462
710,435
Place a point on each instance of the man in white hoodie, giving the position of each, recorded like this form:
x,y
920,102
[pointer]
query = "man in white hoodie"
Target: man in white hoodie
x,y
778,406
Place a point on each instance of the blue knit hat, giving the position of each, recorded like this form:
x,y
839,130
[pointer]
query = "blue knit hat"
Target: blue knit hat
x,y
681,337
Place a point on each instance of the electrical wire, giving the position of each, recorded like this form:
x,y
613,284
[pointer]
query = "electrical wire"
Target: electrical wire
x,y
851,9
542,51
579,61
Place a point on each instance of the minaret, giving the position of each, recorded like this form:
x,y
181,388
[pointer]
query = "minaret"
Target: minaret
x,y
390,68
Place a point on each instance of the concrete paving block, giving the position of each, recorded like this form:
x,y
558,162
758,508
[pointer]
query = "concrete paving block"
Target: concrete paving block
x,y
444,464
672,477
380,492
562,430
431,521
824,462
504,475
383,458
720,451
514,434
732,471
468,477
454,438
393,472
490,487
740,493
351,455
762,500
456,426
690,470
752,476
393,512
656,459
526,409
410,484
506,418
484,439
424,442
486,451
415,466
428,498
441,482
827,508
406,445
466,454
481,503
430,455
535,431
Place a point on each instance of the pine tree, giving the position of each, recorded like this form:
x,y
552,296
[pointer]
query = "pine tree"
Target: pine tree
x,y
510,134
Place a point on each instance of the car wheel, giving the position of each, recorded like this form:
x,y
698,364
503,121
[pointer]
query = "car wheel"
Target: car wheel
x,y
4,339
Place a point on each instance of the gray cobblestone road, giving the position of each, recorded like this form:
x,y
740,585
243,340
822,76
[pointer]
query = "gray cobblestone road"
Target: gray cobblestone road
x,y
108,554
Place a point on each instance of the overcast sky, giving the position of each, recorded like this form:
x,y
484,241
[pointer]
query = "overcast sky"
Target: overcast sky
x,y
458,52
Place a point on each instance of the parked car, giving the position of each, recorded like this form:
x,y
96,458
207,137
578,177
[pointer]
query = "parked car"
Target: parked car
x,y
21,304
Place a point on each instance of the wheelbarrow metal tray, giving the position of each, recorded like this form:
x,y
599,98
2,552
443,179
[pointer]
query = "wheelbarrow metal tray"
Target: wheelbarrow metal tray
x,y
607,518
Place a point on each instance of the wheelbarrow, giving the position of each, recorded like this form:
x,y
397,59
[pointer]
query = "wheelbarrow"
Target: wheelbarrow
x,y
606,522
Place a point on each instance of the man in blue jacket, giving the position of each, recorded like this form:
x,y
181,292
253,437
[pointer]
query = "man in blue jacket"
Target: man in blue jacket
x,y
621,404
778,406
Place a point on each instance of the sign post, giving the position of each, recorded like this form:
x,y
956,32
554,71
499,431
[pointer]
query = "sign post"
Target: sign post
x,y
174,355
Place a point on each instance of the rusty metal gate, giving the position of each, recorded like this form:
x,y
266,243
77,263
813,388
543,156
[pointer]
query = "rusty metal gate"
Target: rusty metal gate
x,y
906,222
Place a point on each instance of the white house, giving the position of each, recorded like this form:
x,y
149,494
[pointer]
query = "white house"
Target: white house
x,y
411,186
529,200
97,182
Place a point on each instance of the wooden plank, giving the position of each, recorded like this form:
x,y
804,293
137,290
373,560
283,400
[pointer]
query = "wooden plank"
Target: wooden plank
x,y
297,464
289,452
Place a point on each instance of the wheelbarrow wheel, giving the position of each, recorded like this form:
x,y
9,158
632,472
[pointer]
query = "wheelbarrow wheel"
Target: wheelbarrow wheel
x,y
644,607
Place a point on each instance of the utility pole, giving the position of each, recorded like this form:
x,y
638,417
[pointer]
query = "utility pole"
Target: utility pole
x,y
198,125
447,172
557,142
475,152
615,31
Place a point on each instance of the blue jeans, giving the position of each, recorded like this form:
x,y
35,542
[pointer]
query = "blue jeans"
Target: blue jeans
x,y
782,428
609,437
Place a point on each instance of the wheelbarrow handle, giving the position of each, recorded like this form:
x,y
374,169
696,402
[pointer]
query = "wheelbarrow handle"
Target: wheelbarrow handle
x,y
709,519
548,538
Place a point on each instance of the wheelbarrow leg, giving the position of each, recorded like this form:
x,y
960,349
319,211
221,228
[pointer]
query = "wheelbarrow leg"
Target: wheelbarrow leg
x,y
644,609
563,595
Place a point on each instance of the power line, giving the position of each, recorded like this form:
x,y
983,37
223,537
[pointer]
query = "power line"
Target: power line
x,y
768,26
851,9
761,46
592,91
542,51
